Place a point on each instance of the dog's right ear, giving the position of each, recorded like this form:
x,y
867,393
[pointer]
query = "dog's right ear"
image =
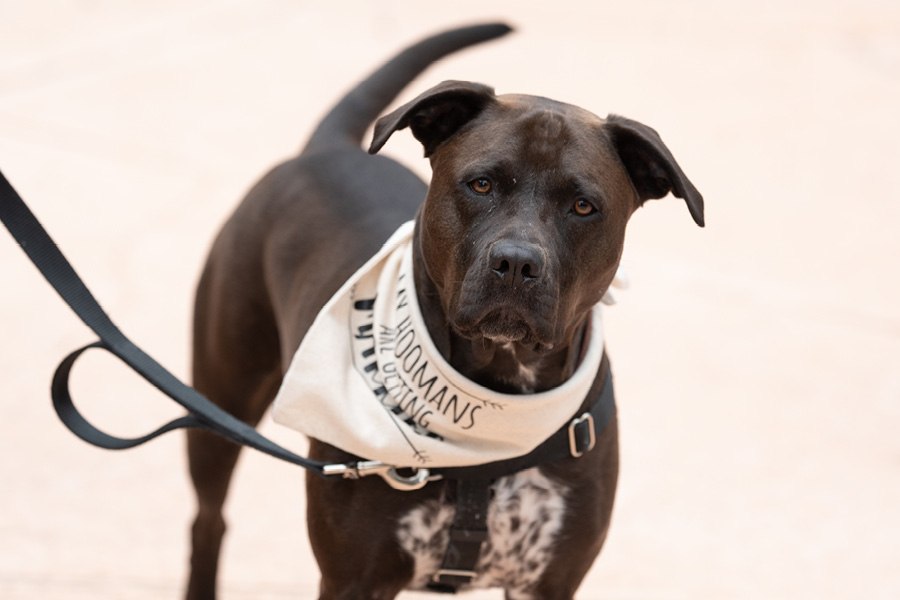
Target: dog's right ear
x,y
436,114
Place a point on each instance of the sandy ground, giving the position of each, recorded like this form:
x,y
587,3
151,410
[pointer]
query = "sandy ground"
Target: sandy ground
x,y
756,360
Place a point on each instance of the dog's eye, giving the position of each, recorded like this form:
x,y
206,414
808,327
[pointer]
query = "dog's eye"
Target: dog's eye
x,y
583,208
481,186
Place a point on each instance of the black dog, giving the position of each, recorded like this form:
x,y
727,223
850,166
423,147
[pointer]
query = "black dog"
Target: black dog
x,y
519,236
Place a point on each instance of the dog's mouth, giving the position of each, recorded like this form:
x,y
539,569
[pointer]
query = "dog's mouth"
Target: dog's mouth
x,y
489,308
505,326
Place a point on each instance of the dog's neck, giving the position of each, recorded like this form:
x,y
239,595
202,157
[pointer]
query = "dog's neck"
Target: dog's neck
x,y
502,367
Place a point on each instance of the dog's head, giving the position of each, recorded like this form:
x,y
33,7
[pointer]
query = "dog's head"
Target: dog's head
x,y
524,223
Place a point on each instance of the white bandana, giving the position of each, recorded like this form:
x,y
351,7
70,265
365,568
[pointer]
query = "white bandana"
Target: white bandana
x,y
368,379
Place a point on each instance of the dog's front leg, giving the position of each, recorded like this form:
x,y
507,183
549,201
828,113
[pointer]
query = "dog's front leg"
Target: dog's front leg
x,y
591,484
354,543
353,532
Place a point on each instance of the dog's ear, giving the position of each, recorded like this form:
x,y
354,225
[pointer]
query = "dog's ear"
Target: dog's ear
x,y
436,114
650,165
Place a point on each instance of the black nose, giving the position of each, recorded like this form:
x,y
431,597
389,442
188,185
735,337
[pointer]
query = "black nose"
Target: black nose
x,y
516,262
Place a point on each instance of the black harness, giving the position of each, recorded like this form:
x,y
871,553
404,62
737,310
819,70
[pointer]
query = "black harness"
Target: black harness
x,y
472,484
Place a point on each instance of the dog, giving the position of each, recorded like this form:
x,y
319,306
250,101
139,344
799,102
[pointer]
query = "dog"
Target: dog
x,y
517,237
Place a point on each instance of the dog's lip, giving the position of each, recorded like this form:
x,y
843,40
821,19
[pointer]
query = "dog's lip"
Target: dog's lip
x,y
503,325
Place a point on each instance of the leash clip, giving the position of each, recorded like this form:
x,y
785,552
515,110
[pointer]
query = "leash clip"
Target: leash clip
x,y
363,468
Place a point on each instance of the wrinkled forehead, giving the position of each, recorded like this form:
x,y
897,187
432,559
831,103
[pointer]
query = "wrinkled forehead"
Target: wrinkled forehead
x,y
539,106
538,132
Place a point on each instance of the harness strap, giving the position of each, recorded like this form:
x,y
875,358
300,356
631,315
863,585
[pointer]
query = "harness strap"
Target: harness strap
x,y
467,534
469,528
571,440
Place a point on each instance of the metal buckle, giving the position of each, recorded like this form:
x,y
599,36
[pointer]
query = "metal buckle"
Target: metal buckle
x,y
416,481
461,573
592,435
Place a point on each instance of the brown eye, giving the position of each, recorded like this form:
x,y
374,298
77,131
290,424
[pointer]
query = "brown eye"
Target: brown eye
x,y
583,208
481,186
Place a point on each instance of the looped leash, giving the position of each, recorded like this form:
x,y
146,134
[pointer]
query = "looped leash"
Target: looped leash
x,y
202,413
81,427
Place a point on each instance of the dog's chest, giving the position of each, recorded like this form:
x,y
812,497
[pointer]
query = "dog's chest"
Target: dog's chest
x,y
524,518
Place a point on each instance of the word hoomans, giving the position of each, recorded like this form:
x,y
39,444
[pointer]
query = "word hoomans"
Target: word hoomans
x,y
402,378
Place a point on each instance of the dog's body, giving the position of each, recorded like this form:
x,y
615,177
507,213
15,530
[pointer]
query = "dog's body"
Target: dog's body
x,y
519,236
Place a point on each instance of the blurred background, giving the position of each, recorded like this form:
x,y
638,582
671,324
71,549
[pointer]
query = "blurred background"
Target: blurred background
x,y
756,360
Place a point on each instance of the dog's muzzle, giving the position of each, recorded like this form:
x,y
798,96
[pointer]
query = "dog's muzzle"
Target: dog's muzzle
x,y
509,294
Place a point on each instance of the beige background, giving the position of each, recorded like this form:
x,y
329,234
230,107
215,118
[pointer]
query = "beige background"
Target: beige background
x,y
756,360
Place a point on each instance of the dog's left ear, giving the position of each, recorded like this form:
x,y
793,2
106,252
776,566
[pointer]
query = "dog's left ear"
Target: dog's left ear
x,y
436,114
650,165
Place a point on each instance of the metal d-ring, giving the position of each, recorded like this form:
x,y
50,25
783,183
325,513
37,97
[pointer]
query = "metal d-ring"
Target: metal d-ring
x,y
416,481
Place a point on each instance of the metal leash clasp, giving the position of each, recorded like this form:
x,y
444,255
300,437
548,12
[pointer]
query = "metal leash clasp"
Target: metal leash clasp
x,y
363,468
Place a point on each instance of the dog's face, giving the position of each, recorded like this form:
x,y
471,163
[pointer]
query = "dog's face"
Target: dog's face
x,y
529,202
524,223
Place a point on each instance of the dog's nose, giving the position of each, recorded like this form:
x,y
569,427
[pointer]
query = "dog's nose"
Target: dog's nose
x,y
516,262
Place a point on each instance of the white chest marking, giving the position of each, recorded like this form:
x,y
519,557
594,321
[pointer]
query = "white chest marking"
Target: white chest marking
x,y
529,378
526,376
524,519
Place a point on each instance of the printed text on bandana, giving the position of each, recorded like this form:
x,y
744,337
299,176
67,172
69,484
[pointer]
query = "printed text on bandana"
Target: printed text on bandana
x,y
396,368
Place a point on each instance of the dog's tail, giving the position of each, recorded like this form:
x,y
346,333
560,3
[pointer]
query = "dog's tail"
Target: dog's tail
x,y
347,122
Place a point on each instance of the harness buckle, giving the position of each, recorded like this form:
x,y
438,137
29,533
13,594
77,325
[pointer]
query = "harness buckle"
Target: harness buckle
x,y
363,468
453,576
577,435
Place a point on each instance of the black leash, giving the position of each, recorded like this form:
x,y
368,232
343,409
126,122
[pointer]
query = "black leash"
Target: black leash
x,y
572,440
203,414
